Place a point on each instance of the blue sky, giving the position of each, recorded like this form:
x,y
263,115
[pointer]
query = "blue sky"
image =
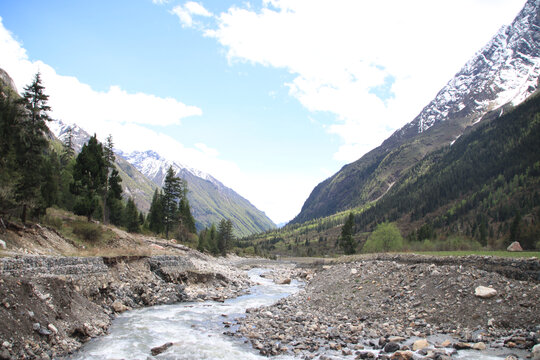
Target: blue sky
x,y
271,97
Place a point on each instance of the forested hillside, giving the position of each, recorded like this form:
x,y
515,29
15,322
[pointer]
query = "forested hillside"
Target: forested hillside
x,y
483,190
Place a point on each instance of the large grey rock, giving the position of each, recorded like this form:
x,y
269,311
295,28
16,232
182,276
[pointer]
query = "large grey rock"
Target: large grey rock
x,y
485,292
535,353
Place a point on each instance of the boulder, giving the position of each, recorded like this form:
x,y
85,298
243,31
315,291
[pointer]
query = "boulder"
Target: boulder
x,y
535,352
479,346
515,246
402,355
391,347
485,292
420,344
119,307
159,349
2,244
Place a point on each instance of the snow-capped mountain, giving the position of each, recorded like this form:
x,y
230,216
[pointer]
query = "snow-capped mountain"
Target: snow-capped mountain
x,y
501,75
505,71
210,200
143,171
154,167
61,130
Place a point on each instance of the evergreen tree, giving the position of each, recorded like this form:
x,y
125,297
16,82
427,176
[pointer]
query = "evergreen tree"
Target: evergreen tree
x,y
203,244
112,180
10,127
68,147
515,228
89,177
211,239
225,236
187,218
155,215
346,240
32,146
172,191
114,197
131,216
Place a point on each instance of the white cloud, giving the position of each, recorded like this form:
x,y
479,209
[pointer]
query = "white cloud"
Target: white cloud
x,y
186,12
338,51
125,116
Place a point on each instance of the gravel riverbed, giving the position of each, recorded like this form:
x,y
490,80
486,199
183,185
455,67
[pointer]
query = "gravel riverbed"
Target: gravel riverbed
x,y
390,307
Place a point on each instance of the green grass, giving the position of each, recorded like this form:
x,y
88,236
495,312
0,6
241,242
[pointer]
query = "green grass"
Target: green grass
x,y
523,254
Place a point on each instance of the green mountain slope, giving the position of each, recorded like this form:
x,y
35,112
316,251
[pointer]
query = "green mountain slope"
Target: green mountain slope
x,y
484,188
505,71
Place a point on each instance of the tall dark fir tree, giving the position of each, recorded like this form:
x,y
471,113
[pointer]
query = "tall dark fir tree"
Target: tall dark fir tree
x,y
32,146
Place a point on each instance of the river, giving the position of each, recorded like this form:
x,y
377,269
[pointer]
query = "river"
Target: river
x,y
196,330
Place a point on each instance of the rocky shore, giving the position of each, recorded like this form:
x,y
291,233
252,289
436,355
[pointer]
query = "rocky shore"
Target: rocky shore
x,y
51,305
404,306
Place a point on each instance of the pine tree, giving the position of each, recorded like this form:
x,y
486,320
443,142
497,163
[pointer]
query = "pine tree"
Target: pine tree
x,y
32,145
211,239
156,215
112,180
89,177
68,147
10,127
225,236
172,191
131,216
187,218
346,240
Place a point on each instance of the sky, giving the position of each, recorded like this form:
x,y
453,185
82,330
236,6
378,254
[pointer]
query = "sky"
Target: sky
x,y
271,97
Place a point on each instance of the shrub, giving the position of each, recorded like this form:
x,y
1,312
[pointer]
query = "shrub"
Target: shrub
x,y
52,221
87,231
386,237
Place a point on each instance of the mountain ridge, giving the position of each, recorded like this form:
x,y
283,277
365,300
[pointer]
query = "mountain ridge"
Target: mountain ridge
x,y
504,71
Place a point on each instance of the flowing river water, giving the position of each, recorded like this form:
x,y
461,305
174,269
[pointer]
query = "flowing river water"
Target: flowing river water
x,y
196,329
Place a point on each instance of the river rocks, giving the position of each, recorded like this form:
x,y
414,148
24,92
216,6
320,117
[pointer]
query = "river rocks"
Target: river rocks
x,y
420,344
479,346
485,292
535,353
119,307
398,301
391,347
515,246
159,349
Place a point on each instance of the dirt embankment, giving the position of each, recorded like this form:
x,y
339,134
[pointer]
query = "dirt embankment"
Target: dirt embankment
x,y
356,308
50,306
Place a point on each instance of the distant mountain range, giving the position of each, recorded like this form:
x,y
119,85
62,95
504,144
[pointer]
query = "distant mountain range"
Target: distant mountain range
x,y
504,73
210,200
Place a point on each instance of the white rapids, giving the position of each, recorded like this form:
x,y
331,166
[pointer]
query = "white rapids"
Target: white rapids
x,y
195,328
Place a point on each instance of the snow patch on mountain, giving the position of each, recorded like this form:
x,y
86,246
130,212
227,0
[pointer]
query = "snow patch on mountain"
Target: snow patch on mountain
x,y
505,71
155,167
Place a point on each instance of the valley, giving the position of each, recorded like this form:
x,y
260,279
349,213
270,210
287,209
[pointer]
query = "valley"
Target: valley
x,y
427,246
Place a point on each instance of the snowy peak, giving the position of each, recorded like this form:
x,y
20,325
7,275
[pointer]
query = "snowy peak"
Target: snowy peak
x,y
506,70
60,130
155,167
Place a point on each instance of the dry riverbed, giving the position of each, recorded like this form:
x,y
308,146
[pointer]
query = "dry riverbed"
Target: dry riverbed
x,y
385,307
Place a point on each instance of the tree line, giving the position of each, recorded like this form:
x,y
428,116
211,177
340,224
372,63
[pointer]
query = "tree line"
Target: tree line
x,y
37,173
